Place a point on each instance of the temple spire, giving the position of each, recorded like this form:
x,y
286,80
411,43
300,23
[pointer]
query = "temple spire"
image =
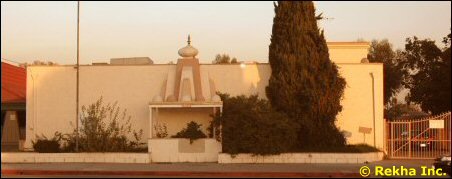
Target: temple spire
x,y
188,51
188,39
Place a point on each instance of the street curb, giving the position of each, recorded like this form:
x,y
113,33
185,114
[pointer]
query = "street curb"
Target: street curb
x,y
181,173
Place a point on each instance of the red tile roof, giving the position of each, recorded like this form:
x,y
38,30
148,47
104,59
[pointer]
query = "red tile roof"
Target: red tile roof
x,y
13,84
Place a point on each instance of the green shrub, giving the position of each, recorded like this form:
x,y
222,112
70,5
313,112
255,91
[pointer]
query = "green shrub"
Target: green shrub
x,y
45,145
250,125
104,128
160,130
192,132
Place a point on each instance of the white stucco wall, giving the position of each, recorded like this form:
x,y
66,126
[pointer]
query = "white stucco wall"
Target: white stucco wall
x,y
51,94
235,80
51,100
348,52
357,101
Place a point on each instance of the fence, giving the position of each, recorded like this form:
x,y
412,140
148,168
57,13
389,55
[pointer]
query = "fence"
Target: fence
x,y
419,139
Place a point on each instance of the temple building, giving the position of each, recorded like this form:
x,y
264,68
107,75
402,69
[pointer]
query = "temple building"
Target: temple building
x,y
175,94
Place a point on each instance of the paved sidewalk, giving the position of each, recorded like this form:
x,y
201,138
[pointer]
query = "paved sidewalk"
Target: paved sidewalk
x,y
201,169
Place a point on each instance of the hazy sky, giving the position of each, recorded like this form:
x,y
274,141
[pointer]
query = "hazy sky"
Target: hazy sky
x,y
47,30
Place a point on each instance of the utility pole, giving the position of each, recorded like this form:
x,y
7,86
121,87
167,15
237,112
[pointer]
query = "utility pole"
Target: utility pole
x,y
373,107
78,71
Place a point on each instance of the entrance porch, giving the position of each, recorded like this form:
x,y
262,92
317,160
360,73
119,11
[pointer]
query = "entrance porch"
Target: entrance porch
x,y
173,117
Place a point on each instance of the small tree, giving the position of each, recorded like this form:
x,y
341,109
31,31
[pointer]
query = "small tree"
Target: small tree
x,y
38,62
382,52
427,74
224,59
161,130
234,60
104,128
192,132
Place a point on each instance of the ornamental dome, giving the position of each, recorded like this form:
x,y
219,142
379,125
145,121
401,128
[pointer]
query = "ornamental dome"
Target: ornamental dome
x,y
216,98
364,60
188,51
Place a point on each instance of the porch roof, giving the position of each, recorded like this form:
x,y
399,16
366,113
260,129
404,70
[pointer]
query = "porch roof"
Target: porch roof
x,y
181,104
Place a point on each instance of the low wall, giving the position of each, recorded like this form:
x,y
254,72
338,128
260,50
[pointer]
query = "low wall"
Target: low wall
x,y
180,150
172,154
303,158
33,157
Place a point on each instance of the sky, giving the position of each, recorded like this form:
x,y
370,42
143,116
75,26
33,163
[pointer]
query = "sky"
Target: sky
x,y
47,30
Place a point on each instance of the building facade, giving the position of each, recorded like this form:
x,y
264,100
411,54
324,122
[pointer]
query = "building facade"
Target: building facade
x,y
175,94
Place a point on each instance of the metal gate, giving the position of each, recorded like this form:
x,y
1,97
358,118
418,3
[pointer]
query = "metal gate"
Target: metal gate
x,y
419,139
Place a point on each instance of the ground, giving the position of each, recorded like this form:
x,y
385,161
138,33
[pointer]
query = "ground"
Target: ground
x,y
201,169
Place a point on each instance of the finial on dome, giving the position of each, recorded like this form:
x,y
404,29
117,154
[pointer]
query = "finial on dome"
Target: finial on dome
x,y
188,39
188,51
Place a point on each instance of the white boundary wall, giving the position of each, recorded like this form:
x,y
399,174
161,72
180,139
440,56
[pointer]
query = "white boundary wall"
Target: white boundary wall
x,y
355,158
32,157
179,150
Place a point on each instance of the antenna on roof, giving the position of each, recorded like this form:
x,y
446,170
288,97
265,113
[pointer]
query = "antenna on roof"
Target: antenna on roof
x,y
320,17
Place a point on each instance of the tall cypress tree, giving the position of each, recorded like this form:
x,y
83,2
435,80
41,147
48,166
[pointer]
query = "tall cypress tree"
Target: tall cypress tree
x,y
305,83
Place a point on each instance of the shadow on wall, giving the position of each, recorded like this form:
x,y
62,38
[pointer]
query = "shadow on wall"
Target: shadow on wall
x,y
241,80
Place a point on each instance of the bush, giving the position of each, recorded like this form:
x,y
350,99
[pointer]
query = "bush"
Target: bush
x,y
362,148
356,148
45,145
160,130
250,125
104,128
192,132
